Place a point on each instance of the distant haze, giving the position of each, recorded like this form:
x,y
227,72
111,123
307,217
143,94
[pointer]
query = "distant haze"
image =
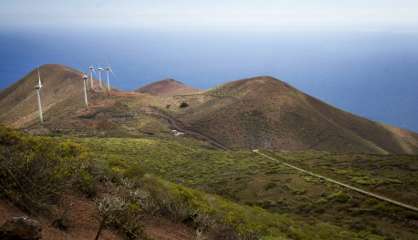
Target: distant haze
x,y
225,14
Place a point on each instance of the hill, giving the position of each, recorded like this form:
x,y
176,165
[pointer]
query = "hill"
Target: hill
x,y
18,102
260,112
167,87
263,112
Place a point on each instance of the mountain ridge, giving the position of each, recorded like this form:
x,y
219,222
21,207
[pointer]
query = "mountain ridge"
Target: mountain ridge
x,y
257,112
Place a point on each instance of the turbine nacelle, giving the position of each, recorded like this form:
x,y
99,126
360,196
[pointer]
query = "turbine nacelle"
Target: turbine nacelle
x,y
39,86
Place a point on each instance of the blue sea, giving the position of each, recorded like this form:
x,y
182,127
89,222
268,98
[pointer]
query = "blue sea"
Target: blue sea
x,y
372,74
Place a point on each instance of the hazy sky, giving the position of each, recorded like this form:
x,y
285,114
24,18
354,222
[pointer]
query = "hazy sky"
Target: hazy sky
x,y
365,15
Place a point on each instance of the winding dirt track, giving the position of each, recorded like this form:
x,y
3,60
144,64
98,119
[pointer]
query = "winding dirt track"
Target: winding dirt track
x,y
356,189
179,126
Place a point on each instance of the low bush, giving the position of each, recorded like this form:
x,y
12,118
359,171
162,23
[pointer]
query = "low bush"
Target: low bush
x,y
184,105
219,217
340,197
35,170
122,214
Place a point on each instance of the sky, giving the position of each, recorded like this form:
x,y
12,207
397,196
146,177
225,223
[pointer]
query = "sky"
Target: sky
x,y
361,15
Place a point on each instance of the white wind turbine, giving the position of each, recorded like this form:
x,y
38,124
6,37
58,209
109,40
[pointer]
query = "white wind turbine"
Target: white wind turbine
x,y
91,70
38,92
108,71
85,79
100,69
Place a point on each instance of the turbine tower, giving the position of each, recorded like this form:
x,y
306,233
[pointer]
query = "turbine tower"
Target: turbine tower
x,y
85,79
91,70
108,70
38,92
100,76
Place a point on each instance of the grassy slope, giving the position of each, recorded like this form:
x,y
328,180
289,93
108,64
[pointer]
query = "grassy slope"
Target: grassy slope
x,y
63,171
249,179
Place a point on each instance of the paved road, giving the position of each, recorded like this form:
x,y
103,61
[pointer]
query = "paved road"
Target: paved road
x,y
377,196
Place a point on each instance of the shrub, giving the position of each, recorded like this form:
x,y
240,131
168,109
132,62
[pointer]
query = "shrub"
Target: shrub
x,y
121,210
184,105
207,212
340,197
270,185
217,217
35,170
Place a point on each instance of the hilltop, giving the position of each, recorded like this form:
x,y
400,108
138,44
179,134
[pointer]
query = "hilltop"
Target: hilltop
x,y
264,112
60,83
260,112
167,87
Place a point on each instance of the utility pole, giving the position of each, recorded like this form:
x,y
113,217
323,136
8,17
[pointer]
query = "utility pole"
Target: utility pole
x,y
85,78
38,92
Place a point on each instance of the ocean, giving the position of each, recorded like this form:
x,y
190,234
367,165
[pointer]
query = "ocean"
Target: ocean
x,y
372,74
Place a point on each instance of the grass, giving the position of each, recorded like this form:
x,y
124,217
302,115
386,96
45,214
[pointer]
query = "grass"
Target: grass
x,y
60,160
246,178
212,213
34,171
244,193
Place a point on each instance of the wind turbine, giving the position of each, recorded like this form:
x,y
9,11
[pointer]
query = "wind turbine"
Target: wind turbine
x,y
91,70
108,70
100,69
38,92
85,79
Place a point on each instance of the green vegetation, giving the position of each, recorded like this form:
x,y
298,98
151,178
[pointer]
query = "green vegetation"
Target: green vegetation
x,y
34,171
121,212
212,213
236,193
339,197
249,179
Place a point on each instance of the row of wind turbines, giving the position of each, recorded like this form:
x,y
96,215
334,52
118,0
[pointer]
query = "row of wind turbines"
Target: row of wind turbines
x,y
85,79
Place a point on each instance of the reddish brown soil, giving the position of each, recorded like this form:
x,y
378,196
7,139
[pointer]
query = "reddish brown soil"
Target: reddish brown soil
x,y
84,223
163,229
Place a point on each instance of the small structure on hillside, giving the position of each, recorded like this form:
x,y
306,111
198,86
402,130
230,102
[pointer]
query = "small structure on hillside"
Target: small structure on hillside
x,y
177,133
